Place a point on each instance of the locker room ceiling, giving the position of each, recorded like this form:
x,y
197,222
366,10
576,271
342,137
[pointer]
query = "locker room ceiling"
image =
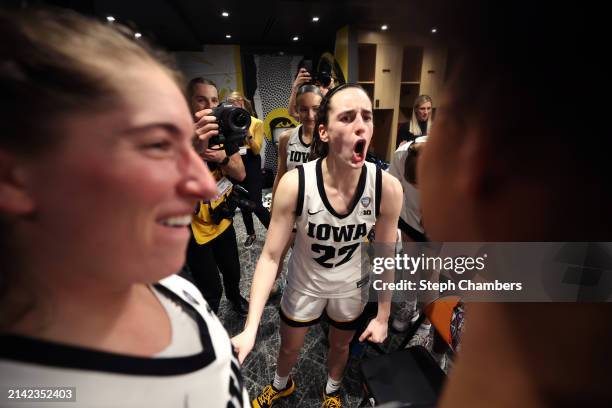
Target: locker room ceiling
x,y
184,25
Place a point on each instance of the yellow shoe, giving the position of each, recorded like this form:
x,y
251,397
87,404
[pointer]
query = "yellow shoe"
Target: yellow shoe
x,y
270,394
332,400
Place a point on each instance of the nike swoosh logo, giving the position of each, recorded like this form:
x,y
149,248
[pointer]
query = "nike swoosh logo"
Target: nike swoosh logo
x,y
313,213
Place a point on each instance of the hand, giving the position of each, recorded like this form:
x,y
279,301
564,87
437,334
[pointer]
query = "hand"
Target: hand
x,y
243,344
376,332
403,142
302,77
213,156
206,124
326,89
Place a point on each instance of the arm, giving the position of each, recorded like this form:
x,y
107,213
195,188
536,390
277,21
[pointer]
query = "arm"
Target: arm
x,y
233,168
279,232
386,235
302,77
281,167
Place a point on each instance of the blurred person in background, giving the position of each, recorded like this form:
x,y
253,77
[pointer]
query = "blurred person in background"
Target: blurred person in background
x,y
503,163
420,121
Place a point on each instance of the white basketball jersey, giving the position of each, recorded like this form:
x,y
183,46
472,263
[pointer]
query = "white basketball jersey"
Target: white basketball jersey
x,y
326,259
208,378
298,152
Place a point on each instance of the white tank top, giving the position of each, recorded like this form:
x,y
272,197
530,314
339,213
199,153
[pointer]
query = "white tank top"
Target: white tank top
x,y
297,151
207,376
326,256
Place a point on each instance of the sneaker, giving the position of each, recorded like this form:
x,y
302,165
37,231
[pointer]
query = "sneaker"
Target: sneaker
x,y
332,400
249,241
406,318
270,394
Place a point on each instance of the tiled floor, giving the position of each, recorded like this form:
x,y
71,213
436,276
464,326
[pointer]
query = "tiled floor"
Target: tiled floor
x,y
310,373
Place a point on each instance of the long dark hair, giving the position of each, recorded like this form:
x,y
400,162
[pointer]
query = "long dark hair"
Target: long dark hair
x,y
319,148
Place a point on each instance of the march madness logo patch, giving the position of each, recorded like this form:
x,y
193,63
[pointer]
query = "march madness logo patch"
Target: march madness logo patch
x,y
365,201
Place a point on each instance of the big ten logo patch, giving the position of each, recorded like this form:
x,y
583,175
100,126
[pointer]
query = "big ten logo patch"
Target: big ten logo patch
x,y
365,202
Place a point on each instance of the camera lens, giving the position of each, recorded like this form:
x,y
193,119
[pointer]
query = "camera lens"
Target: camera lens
x,y
325,79
233,123
239,119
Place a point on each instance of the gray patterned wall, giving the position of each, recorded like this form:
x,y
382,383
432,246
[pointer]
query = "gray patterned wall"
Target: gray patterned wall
x,y
275,76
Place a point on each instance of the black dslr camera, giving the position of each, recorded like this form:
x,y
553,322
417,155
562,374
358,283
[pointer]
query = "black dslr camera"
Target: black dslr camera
x,y
321,77
233,123
239,197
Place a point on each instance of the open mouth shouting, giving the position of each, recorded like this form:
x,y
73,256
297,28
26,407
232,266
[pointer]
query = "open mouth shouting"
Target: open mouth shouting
x,y
359,151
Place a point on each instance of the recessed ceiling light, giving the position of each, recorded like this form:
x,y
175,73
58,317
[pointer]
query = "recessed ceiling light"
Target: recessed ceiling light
x,y
315,19
225,14
228,36
434,30
137,35
296,38
110,19
384,27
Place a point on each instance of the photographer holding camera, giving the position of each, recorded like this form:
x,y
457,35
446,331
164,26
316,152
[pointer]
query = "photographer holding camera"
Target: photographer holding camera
x,y
323,79
213,240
